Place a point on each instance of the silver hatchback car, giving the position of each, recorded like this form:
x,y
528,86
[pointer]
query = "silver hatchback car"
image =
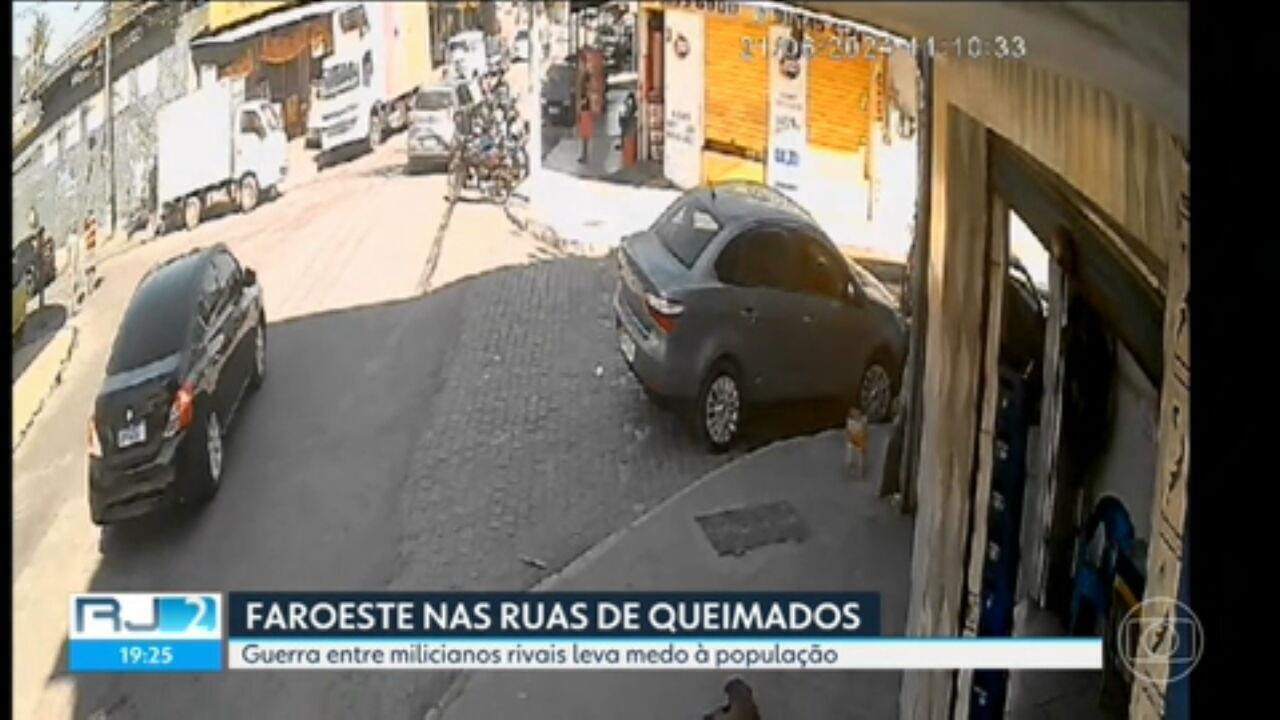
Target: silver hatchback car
x,y
431,128
736,296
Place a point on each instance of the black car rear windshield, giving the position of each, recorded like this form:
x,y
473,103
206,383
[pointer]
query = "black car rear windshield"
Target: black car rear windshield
x,y
685,229
156,323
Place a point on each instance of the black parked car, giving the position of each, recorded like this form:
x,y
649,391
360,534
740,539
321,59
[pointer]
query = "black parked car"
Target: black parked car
x,y
735,296
192,341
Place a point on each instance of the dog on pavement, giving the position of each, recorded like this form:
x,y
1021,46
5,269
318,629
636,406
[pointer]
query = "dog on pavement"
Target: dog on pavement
x,y
740,705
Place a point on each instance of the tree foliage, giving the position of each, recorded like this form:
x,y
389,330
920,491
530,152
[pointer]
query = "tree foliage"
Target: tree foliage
x,y
37,50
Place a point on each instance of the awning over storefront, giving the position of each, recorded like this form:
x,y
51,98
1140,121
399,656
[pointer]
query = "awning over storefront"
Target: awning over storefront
x,y
1136,50
264,24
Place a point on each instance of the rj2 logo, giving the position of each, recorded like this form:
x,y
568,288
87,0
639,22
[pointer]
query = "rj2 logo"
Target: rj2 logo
x,y
145,615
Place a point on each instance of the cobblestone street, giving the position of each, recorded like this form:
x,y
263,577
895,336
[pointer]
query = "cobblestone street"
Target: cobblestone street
x,y
540,442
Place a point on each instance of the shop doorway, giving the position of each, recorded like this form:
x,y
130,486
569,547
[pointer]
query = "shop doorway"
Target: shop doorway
x,y
1074,448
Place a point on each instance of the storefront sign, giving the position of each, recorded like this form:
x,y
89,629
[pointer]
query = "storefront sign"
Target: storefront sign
x,y
791,18
710,6
788,117
222,14
683,60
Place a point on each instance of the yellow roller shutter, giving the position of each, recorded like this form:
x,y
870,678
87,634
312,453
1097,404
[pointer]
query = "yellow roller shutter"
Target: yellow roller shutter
x,y
737,89
842,97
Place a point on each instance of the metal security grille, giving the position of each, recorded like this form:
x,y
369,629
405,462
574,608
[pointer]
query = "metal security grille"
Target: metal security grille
x,y
842,94
737,88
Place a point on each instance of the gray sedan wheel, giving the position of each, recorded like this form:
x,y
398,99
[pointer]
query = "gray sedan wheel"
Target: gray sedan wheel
x,y
719,408
875,392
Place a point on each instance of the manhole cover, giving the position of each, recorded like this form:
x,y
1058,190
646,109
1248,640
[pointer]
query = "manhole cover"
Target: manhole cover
x,y
740,530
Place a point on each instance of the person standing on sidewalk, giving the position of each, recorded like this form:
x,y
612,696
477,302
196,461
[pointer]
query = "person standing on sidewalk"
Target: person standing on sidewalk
x,y
586,120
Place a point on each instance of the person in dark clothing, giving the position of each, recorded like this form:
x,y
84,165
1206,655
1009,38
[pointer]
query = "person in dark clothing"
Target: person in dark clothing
x,y
626,118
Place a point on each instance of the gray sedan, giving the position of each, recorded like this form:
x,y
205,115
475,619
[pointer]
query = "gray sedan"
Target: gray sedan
x,y
736,296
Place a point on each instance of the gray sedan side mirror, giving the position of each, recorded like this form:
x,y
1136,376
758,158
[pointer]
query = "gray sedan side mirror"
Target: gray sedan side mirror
x,y
250,277
852,294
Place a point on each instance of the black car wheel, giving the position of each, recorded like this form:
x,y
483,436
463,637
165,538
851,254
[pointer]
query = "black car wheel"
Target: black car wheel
x,y
210,455
875,389
259,355
718,411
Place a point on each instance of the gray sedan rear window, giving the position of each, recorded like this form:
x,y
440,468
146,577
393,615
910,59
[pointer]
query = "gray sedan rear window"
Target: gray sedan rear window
x,y
685,231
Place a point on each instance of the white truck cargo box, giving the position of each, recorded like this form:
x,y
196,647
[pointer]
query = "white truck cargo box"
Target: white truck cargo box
x,y
195,142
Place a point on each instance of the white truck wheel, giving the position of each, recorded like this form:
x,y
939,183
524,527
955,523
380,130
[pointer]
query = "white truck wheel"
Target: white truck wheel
x,y
192,209
375,128
248,193
402,113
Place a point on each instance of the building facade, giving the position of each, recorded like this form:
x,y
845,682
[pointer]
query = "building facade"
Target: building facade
x,y
274,51
739,90
62,167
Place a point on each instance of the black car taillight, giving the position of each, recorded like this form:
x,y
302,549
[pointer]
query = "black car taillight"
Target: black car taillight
x,y
181,411
663,311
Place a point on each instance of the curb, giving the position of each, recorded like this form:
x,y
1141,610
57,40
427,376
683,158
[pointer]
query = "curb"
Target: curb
x,y
542,232
575,566
57,380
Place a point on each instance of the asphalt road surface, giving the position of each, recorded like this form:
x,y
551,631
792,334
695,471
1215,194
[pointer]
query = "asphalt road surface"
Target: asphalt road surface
x,y
402,440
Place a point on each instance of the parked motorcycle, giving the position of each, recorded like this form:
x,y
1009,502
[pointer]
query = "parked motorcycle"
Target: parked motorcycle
x,y
489,153
482,163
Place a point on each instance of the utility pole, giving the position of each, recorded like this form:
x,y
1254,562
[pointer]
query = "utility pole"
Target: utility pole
x,y
111,124
537,14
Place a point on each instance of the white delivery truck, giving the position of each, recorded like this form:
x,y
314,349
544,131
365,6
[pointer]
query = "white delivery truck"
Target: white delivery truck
x,y
212,146
468,55
380,57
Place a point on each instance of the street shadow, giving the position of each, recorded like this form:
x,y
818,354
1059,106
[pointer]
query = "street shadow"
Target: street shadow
x,y
422,169
767,425
326,159
41,326
372,458
407,170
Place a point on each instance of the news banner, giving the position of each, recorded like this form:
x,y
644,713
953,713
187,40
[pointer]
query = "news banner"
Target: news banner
x,y
212,632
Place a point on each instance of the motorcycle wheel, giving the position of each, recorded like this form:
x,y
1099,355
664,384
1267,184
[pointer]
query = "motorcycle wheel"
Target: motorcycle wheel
x,y
499,190
522,163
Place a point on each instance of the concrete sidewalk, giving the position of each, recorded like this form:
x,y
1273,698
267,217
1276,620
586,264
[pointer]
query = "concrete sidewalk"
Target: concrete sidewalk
x,y
588,215
39,379
855,542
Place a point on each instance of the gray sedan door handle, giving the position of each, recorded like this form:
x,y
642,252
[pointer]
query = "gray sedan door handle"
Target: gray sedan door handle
x,y
749,314
807,318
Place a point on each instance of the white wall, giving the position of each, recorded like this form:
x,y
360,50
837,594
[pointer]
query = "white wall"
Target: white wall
x,y
1128,466
1025,246
683,106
